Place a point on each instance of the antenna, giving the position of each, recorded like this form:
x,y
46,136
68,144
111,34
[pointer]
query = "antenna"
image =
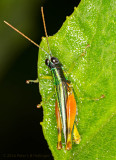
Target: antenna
x,y
45,29
25,36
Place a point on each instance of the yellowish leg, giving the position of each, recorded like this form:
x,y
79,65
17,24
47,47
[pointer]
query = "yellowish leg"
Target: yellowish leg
x,y
46,77
37,81
93,99
85,50
32,81
59,144
69,137
82,54
45,102
76,135
59,126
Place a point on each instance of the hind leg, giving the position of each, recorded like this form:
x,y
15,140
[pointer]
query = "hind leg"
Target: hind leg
x,y
59,126
76,136
71,113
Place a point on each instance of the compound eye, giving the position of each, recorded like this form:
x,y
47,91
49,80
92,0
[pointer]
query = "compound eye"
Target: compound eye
x,y
54,60
47,62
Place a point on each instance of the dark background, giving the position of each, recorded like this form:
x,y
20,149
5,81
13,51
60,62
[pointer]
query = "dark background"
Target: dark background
x,y
20,132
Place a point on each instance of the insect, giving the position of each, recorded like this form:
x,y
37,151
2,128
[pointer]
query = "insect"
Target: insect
x,y
65,106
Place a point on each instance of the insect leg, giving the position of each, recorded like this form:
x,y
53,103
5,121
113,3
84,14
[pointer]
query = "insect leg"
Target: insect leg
x,y
76,136
93,99
37,81
81,55
32,81
46,77
71,113
59,126
45,102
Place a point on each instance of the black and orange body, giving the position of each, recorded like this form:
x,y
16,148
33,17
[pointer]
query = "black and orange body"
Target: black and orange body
x,y
65,106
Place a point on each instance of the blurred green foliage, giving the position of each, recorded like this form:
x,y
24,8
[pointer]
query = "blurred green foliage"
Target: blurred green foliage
x,y
23,15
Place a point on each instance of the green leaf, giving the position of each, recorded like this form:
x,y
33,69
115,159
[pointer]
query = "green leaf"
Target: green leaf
x,y
92,76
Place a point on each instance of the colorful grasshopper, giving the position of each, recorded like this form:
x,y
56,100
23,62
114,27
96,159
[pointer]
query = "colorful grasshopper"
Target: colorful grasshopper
x,y
65,106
